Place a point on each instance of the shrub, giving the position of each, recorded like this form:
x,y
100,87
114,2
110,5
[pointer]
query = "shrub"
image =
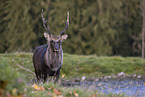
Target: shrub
x,y
11,81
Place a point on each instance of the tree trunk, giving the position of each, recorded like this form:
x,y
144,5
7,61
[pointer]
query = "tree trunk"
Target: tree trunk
x,y
143,36
143,15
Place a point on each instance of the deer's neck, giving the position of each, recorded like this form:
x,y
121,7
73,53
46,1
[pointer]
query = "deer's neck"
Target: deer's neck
x,y
54,55
54,58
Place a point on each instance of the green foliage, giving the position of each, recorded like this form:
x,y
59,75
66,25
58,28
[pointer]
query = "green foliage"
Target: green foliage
x,y
18,31
3,24
74,66
11,82
128,40
78,66
12,77
96,27
22,59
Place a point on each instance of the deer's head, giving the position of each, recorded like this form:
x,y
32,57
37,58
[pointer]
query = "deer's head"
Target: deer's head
x,y
55,40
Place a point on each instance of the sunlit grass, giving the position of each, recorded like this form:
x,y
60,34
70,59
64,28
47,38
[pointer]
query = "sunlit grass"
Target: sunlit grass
x,y
75,66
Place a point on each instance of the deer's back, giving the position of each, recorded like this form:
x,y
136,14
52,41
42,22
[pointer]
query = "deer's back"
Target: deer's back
x,y
38,57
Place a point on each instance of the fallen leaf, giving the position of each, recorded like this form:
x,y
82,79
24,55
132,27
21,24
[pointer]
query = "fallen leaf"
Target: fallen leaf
x,y
76,94
3,84
14,91
63,75
41,88
20,96
49,93
94,95
35,86
60,96
38,88
70,92
36,91
56,91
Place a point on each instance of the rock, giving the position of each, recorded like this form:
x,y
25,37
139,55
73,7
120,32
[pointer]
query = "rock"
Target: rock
x,y
83,77
106,77
134,75
97,79
76,80
139,76
120,74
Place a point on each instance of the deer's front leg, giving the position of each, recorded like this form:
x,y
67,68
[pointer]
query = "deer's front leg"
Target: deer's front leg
x,y
56,76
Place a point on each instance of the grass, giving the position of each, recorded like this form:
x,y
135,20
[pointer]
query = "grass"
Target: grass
x,y
74,66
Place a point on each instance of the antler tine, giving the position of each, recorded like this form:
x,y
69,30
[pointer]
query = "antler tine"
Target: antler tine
x,y
67,24
44,23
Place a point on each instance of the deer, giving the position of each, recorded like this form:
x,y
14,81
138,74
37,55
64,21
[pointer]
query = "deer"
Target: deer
x,y
48,58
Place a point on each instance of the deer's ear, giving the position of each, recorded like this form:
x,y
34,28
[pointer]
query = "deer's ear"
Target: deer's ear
x,y
64,37
46,35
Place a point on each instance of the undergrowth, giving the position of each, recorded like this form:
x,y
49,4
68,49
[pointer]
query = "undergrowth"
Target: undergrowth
x,y
16,81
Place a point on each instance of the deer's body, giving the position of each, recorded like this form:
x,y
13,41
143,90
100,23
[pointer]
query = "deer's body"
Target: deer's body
x,y
47,62
48,59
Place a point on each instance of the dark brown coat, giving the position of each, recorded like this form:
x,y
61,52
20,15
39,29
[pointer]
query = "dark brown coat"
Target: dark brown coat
x,y
47,62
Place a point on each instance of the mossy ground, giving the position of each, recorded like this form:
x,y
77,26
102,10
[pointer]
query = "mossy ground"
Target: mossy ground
x,y
74,66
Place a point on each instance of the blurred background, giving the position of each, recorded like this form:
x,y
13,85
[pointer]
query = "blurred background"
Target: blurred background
x,y
97,27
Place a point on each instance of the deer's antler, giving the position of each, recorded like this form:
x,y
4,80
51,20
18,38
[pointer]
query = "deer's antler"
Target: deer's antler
x,y
67,24
44,23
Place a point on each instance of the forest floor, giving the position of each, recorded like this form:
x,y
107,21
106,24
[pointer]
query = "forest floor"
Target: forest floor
x,y
76,71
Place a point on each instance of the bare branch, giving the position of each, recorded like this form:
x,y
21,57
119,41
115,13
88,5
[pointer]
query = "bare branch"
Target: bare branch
x,y
44,23
25,69
67,24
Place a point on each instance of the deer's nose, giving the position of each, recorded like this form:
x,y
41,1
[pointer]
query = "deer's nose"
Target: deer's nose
x,y
56,46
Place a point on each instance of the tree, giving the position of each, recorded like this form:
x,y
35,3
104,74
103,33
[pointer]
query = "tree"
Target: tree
x,y
142,6
96,27
18,32
128,39
91,27
3,25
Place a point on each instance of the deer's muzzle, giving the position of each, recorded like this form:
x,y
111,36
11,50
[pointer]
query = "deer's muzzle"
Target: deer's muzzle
x,y
56,47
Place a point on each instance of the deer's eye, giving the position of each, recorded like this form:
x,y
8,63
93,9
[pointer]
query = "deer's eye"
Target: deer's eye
x,y
59,42
51,41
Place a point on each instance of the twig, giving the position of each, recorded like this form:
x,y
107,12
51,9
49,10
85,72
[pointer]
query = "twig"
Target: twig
x,y
25,69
